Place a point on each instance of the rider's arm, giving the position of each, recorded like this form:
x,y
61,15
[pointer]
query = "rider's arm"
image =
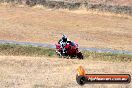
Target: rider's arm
x,y
59,41
69,42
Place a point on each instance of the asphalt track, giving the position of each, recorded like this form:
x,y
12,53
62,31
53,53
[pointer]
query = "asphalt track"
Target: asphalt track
x,y
53,46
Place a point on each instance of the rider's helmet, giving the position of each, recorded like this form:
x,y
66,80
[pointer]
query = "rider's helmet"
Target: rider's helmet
x,y
64,38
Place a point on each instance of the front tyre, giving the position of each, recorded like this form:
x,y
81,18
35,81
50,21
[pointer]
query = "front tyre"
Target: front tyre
x,y
59,54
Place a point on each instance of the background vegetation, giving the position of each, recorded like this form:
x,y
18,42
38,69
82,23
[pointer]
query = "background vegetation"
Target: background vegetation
x,y
72,5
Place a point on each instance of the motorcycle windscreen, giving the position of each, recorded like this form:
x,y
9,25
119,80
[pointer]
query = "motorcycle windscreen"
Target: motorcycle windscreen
x,y
72,44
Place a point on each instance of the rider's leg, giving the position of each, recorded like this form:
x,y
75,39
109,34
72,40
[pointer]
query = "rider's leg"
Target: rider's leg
x,y
64,50
63,47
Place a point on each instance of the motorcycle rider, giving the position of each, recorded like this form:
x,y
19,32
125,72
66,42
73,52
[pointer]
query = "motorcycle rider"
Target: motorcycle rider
x,y
63,42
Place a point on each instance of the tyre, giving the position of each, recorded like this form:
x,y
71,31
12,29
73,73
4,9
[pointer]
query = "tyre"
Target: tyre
x,y
81,80
80,55
58,54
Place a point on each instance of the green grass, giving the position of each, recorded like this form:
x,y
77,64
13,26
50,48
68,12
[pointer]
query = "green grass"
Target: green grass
x,y
107,56
28,50
25,50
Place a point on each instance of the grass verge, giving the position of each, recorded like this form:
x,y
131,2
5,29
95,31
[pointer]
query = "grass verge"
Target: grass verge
x,y
25,50
28,50
107,56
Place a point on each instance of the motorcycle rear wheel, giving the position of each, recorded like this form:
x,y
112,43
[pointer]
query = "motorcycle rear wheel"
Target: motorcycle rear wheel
x,y
80,55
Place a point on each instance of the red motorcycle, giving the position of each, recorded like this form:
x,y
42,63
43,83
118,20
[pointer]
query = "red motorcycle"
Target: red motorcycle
x,y
71,50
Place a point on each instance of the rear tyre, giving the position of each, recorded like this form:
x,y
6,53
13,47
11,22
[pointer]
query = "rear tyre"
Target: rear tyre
x,y
80,55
